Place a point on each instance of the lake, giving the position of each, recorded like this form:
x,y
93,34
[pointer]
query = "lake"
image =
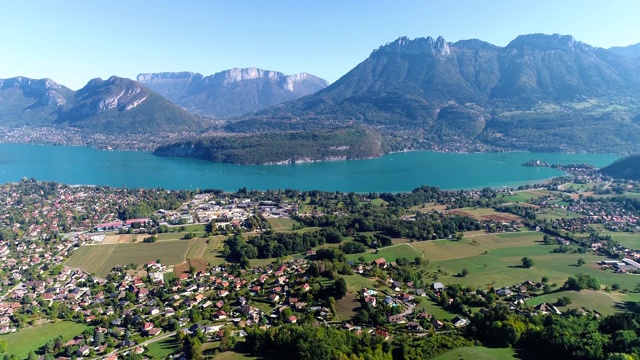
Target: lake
x,y
396,172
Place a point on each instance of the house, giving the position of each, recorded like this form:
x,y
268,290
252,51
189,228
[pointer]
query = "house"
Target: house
x,y
504,292
83,350
220,315
381,262
371,300
459,321
438,286
383,334
154,332
274,297
414,326
396,319
292,319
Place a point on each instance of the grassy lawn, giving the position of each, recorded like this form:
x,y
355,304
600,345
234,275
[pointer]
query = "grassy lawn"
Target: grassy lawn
x,y
478,353
160,349
356,282
390,253
32,338
432,308
99,259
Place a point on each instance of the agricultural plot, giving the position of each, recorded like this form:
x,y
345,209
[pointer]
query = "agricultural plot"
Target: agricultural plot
x,y
486,214
475,244
32,338
100,259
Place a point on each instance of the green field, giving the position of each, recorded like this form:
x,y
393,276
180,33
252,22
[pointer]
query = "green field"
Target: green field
x,y
478,353
554,214
281,224
345,308
99,259
212,253
476,244
390,253
524,196
32,338
160,349
605,303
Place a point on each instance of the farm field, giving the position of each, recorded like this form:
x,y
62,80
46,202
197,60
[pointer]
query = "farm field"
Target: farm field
x,y
99,259
32,338
475,244
485,214
390,253
478,353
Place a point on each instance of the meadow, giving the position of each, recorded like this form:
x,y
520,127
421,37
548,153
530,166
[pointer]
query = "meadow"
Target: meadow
x,y
33,338
478,353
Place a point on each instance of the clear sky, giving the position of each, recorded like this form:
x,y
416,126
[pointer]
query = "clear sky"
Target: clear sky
x,y
73,41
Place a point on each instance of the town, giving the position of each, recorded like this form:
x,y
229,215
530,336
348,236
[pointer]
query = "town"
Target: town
x,y
108,273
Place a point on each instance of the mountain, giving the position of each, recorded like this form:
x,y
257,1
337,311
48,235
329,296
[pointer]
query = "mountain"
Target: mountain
x,y
116,105
540,92
292,147
120,104
625,168
31,102
231,92
631,51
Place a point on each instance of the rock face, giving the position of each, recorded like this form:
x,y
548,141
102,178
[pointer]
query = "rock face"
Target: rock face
x,y
231,92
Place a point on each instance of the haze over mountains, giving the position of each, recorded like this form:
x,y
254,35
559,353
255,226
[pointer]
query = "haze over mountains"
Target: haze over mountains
x,y
232,92
539,93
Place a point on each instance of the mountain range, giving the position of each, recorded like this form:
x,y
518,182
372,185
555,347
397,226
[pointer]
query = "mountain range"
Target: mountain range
x,y
538,93
107,106
232,92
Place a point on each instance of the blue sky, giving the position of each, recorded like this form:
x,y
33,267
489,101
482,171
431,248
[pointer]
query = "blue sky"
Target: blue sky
x,y
73,41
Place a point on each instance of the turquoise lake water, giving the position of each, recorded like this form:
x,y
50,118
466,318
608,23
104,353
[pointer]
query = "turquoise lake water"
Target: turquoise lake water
x,y
391,173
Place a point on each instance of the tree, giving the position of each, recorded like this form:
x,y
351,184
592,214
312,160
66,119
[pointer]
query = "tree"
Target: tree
x,y
464,272
581,261
527,262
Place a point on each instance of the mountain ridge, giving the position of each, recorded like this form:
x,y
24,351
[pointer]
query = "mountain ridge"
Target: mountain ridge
x,y
231,92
